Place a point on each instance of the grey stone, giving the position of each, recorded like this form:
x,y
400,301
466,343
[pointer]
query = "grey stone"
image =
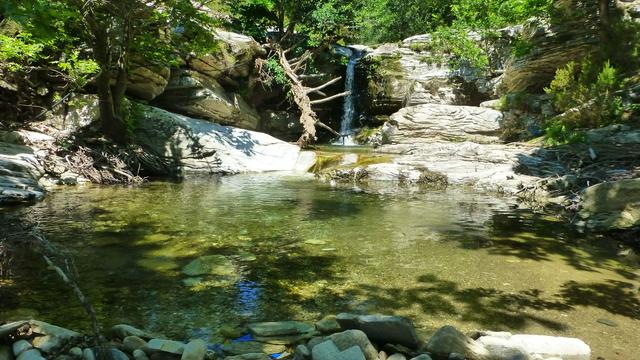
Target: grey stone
x,y
190,145
169,346
48,338
123,330
195,350
116,354
611,205
551,346
448,340
278,328
132,342
11,328
249,347
383,329
328,325
397,357
21,346
6,353
139,354
502,348
75,352
349,338
31,354
210,265
19,174
87,354
422,357
302,352
329,351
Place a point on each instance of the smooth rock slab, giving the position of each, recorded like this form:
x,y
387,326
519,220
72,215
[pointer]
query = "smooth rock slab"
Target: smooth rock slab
x,y
170,346
551,346
502,348
279,328
382,329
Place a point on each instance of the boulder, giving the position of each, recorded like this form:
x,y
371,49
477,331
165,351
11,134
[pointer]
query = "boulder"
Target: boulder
x,y
397,357
611,205
382,329
571,35
19,174
80,110
328,324
279,328
75,352
346,339
132,343
426,123
140,355
329,351
168,346
49,338
117,354
32,354
551,346
21,346
147,81
195,350
502,348
189,145
252,347
194,94
123,330
448,340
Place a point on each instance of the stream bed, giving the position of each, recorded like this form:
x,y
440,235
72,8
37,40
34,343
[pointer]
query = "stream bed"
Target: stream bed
x,y
289,247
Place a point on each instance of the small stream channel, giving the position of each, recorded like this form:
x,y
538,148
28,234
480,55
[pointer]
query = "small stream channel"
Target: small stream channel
x,y
293,248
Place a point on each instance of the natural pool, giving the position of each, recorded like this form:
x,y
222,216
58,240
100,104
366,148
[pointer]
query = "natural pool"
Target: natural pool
x,y
292,248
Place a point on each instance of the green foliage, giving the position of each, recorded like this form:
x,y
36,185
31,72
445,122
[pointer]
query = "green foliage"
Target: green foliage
x,y
275,74
585,94
18,51
77,69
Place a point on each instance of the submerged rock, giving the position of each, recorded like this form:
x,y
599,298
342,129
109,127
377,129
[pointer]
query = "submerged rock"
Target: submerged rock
x,y
19,174
210,265
279,328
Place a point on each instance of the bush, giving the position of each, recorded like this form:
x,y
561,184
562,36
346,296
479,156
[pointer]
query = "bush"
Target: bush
x,y
585,95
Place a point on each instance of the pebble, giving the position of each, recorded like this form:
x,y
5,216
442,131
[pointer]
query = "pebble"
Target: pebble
x,y
608,322
75,352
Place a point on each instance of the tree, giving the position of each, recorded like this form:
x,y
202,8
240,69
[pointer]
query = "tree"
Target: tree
x,y
112,31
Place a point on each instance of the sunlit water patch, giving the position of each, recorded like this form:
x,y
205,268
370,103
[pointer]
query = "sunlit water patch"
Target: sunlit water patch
x,y
187,259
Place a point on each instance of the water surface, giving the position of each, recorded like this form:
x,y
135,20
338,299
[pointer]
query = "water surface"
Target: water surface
x,y
293,248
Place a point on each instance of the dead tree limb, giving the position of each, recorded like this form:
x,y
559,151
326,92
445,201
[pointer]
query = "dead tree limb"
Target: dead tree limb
x,y
318,88
308,117
324,100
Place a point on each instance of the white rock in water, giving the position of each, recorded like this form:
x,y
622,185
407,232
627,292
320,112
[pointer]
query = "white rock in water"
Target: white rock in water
x,y
551,346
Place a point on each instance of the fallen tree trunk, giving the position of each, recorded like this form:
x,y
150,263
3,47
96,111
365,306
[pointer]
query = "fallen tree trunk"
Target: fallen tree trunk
x,y
308,117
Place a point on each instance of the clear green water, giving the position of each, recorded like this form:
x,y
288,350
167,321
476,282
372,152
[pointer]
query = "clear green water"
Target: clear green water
x,y
297,249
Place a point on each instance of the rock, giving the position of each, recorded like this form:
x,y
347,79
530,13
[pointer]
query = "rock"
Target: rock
x,y
397,357
161,355
349,338
116,354
75,352
611,205
210,265
190,145
446,122
502,348
302,353
87,354
10,329
448,340
132,343
21,346
147,81
382,329
169,346
328,324
123,330
572,36
140,355
329,351
279,328
48,338
6,353
422,357
255,356
32,354
194,94
613,134
284,125
248,347
19,174
81,110
551,346
195,350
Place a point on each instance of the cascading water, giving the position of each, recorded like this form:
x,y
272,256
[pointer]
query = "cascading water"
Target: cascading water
x,y
348,108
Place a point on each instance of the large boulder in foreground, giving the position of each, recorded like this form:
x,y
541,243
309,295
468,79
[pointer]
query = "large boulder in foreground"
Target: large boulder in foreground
x,y
19,174
612,205
190,145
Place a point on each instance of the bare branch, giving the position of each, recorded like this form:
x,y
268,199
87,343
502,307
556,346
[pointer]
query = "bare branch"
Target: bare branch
x,y
320,101
318,88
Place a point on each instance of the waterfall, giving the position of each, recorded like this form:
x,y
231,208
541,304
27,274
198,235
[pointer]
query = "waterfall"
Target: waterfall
x,y
348,107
